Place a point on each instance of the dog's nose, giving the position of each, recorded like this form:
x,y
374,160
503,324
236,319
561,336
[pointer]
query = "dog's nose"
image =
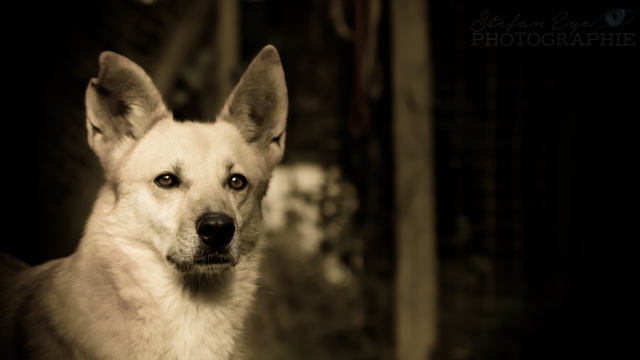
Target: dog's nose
x,y
215,229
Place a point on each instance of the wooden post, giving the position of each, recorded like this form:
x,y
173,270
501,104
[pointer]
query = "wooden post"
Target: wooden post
x,y
228,48
415,237
224,71
180,44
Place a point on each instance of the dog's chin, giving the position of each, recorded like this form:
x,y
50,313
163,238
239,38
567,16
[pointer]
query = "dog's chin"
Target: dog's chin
x,y
210,263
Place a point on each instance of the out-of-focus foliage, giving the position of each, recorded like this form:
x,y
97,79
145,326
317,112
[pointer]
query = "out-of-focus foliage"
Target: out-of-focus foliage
x,y
309,301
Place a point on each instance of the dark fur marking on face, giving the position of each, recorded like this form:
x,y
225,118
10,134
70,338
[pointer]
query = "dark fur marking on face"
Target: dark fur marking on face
x,y
249,235
230,165
176,168
246,194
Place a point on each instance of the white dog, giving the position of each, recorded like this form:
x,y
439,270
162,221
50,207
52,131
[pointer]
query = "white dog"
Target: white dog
x,y
168,263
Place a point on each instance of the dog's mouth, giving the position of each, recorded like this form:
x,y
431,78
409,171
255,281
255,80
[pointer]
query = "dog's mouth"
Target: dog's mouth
x,y
213,258
202,262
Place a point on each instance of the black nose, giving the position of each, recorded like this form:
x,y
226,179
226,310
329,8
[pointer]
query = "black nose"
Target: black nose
x,y
215,229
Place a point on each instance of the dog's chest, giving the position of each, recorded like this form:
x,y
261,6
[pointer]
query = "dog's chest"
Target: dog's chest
x,y
200,329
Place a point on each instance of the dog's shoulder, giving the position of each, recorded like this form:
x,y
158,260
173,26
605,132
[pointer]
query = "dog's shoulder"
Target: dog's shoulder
x,y
10,266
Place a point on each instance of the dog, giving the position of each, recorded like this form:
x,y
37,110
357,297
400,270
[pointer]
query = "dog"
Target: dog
x,y
168,263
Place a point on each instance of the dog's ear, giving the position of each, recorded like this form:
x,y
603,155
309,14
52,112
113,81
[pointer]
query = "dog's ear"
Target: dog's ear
x,y
258,105
122,104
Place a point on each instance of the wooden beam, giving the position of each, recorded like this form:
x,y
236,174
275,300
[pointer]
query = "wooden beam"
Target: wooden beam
x,y
227,56
180,44
415,237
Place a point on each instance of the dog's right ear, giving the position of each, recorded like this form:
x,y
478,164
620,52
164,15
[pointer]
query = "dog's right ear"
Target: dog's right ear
x,y
258,105
122,104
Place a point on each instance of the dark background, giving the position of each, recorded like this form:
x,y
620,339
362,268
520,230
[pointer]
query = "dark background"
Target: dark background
x,y
532,148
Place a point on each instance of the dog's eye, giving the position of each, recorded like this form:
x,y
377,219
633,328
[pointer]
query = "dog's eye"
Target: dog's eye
x,y
237,182
167,180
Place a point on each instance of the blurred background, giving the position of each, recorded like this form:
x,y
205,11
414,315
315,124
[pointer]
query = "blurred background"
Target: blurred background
x,y
442,195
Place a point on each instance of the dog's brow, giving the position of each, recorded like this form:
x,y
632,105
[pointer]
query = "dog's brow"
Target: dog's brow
x,y
230,165
177,167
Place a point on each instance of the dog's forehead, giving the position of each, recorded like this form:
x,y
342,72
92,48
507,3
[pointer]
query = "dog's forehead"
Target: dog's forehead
x,y
205,136
184,143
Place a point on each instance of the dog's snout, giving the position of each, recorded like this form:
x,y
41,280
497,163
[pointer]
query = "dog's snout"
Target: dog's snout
x,y
215,229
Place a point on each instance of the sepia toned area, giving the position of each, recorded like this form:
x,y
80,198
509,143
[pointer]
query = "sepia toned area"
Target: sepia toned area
x,y
441,192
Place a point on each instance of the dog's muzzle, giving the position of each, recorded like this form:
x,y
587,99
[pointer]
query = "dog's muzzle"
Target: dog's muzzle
x,y
215,230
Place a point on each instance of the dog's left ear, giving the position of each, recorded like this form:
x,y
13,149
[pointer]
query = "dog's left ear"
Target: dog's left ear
x,y
259,103
122,104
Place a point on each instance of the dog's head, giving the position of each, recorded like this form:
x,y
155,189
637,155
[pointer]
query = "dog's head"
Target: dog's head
x,y
191,191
